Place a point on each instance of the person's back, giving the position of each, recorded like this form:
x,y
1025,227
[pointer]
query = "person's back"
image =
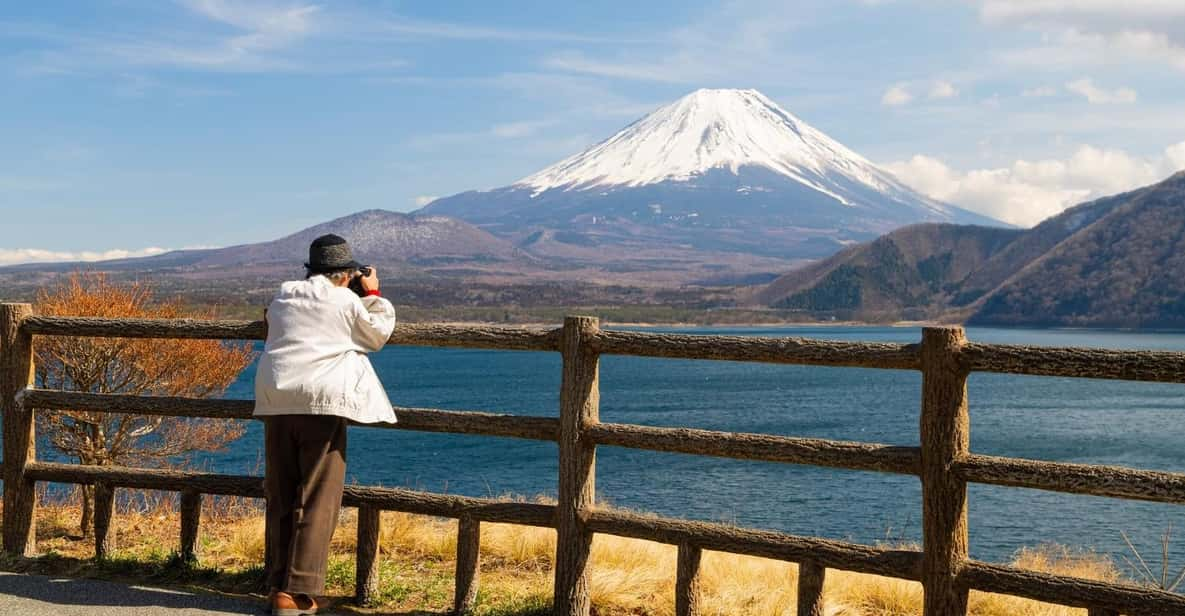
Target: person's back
x,y
313,378
313,361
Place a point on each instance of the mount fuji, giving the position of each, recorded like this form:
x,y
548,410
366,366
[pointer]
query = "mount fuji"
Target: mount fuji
x,y
717,171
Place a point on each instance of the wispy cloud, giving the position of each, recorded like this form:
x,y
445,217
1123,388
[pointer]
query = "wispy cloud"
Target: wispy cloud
x,y
505,130
225,36
1080,11
669,70
216,36
1039,92
737,43
401,26
1101,96
1083,33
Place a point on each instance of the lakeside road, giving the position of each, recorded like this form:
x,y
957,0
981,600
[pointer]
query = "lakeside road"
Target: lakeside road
x,y
39,595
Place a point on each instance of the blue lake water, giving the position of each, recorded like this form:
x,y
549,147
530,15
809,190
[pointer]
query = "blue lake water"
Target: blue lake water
x,y
1072,420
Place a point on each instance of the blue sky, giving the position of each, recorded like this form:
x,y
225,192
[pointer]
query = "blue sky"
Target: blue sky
x,y
135,126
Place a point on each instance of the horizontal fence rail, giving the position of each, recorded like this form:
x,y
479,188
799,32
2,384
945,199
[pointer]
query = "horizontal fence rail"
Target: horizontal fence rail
x,y
386,499
943,462
815,452
461,336
805,351
424,420
1095,480
1158,366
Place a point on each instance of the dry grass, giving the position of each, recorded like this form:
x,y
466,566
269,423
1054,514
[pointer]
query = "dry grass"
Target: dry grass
x,y
629,577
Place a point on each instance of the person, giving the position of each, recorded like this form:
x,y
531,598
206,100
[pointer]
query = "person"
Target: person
x,y
313,377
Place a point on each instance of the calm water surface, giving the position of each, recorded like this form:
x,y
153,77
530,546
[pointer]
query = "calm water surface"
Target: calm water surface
x,y
1071,420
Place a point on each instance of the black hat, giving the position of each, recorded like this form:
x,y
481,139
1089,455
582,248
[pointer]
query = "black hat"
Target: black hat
x,y
330,252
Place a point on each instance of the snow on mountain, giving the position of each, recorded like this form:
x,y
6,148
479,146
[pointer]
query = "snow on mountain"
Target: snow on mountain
x,y
711,129
717,170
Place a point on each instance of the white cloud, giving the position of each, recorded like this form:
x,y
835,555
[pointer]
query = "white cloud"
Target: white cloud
x,y
896,95
1176,156
1027,192
1100,96
943,89
10,256
423,200
1040,91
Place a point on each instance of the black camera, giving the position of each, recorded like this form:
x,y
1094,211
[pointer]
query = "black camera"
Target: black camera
x,y
356,281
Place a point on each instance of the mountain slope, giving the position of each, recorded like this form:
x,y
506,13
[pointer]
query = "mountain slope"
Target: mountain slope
x,y
378,235
1030,246
895,276
716,170
1125,268
1117,261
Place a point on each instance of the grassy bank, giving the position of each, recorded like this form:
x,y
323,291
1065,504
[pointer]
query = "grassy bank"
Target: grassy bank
x,y
416,566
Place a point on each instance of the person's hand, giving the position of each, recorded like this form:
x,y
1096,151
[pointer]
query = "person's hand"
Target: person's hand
x,y
371,282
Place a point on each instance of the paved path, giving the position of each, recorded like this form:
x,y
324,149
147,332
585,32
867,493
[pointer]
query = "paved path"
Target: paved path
x,y
38,595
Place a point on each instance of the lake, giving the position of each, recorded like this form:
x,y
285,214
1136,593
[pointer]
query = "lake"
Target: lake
x,y
1071,420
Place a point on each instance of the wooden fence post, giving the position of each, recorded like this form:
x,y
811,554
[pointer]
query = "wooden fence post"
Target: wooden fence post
x,y
366,568
687,580
810,588
191,515
468,563
945,436
16,373
104,509
579,400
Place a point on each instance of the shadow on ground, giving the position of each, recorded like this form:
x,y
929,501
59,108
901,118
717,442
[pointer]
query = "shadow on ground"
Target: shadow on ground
x,y
55,585
37,594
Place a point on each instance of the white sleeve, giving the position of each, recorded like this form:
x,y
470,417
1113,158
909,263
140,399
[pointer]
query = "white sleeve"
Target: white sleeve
x,y
374,320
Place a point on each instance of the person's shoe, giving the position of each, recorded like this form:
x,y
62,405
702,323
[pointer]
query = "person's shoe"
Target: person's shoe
x,y
285,604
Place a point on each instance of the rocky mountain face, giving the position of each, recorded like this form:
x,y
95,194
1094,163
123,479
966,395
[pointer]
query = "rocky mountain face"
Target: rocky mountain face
x,y
718,171
1115,262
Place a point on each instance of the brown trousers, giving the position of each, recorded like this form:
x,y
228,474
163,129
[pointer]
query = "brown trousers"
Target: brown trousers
x,y
306,468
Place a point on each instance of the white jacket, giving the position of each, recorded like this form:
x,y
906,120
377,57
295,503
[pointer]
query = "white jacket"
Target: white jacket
x,y
314,361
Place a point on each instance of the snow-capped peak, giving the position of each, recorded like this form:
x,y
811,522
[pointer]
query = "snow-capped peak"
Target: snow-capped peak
x,y
714,129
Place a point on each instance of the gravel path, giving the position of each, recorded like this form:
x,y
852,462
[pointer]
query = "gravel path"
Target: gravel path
x,y
38,595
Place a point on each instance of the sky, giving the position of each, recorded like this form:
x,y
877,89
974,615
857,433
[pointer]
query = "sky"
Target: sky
x,y
132,127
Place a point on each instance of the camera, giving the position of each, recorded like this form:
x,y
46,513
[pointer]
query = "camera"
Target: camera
x,y
356,281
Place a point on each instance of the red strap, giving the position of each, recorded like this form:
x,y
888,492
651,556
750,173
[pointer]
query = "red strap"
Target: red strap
x,y
374,292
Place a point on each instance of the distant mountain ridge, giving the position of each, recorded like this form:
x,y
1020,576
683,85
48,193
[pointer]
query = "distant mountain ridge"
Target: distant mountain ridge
x,y
374,235
1113,262
717,170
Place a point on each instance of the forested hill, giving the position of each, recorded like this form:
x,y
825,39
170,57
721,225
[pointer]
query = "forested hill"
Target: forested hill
x,y
1114,262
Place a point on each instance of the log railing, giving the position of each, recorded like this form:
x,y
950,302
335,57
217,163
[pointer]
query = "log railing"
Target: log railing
x,y
943,461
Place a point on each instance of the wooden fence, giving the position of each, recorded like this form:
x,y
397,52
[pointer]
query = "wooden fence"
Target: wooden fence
x,y
943,461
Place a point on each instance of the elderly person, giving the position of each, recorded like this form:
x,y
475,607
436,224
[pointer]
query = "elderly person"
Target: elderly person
x,y
312,379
